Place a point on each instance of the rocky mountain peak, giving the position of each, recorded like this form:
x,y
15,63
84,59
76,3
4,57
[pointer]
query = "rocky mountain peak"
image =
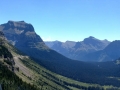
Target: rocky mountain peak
x,y
18,26
90,39
10,21
20,31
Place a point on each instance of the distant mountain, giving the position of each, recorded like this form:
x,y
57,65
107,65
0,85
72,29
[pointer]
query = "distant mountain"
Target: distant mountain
x,y
90,49
67,44
63,48
110,53
77,50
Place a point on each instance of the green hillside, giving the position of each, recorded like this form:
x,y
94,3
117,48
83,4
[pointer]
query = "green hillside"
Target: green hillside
x,y
8,79
33,73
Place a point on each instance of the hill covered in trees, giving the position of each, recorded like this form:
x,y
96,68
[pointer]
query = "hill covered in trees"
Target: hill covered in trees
x,y
8,79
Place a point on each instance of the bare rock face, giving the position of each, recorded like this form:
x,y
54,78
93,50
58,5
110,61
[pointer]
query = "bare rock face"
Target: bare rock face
x,y
18,33
18,26
22,35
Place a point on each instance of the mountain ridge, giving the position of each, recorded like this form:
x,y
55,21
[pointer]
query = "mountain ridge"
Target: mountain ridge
x,y
110,53
77,50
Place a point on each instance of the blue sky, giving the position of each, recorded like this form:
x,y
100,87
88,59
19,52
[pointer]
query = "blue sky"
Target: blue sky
x,y
66,19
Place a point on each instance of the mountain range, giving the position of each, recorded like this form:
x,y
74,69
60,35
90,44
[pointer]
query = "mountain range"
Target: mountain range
x,y
78,50
90,49
110,53
22,35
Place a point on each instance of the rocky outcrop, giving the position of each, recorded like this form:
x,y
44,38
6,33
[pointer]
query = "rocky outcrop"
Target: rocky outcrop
x,y
20,33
